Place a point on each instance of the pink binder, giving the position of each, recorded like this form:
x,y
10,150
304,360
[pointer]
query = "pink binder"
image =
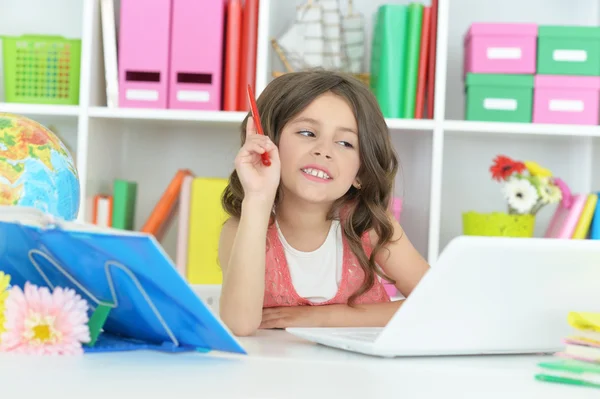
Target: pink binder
x,y
195,78
144,53
564,220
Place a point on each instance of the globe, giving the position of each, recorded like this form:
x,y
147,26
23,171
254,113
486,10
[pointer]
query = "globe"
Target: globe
x,y
36,168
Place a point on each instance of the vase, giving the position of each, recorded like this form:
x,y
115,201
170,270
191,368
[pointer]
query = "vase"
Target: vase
x,y
498,224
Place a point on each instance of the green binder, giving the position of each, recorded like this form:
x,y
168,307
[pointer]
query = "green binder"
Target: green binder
x,y
413,48
388,58
124,198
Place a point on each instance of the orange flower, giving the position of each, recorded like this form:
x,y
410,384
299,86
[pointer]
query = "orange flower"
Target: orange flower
x,y
504,166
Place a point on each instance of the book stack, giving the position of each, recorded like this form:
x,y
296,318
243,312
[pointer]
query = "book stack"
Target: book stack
x,y
576,218
402,72
579,362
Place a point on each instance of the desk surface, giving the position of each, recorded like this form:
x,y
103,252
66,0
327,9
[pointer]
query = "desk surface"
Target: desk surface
x,y
278,366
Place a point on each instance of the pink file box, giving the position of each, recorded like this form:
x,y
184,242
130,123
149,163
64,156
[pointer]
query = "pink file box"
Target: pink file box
x,y
500,48
566,99
144,53
195,77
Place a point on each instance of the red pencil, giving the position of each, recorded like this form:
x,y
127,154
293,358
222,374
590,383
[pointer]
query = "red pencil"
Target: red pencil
x,y
254,110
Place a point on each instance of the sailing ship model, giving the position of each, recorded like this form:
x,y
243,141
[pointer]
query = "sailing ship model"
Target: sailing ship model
x,y
322,36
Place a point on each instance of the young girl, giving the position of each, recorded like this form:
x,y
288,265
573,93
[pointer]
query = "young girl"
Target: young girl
x,y
313,228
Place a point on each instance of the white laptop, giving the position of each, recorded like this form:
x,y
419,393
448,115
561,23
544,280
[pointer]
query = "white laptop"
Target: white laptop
x,y
485,295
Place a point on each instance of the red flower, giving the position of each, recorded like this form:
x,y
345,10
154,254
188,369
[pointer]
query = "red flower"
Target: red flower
x,y
503,167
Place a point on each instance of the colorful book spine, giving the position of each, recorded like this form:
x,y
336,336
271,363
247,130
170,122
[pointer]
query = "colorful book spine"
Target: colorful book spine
x,y
206,220
247,69
165,208
595,227
183,226
233,38
432,59
102,210
585,219
388,55
413,46
423,59
124,199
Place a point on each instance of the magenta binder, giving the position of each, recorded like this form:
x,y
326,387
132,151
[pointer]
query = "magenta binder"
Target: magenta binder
x,y
195,79
144,39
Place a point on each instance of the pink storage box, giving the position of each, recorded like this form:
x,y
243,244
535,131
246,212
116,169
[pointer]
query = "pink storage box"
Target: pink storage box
x,y
566,99
196,54
144,36
500,48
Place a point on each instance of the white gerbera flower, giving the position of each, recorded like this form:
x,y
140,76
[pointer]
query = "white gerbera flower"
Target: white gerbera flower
x,y
520,194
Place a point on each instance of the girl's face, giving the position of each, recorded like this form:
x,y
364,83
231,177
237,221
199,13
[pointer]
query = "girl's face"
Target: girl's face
x,y
319,151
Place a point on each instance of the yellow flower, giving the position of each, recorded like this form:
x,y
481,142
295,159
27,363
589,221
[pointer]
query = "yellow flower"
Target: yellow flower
x,y
549,193
536,170
4,282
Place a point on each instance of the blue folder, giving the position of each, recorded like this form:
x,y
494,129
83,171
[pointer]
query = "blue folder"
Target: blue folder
x,y
152,306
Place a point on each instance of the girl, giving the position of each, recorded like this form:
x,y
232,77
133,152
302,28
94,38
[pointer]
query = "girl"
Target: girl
x,y
321,208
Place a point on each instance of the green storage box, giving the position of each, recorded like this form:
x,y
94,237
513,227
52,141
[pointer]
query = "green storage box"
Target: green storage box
x,y
499,98
41,69
568,50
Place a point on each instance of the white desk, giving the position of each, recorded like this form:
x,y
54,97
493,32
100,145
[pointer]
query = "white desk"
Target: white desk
x,y
278,366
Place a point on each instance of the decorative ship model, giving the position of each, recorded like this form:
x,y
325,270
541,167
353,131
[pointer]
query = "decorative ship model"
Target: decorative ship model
x,y
321,35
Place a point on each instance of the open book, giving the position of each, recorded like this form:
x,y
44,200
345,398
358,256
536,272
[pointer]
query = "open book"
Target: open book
x,y
151,305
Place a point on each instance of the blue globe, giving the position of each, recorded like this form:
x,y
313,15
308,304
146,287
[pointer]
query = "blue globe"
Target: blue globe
x,y
36,168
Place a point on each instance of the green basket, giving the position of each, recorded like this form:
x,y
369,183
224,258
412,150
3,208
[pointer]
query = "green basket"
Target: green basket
x,y
41,69
498,224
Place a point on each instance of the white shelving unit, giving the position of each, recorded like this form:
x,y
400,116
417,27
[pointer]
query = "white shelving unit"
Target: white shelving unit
x,y
444,161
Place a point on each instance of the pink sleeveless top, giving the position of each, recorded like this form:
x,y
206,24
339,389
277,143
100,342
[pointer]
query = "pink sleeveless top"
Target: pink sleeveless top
x,y
279,289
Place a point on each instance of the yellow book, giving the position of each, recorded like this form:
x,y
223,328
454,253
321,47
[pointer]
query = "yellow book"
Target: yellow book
x,y
206,220
585,219
584,321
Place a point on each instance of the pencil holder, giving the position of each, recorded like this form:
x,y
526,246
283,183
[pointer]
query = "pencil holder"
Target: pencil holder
x,y
498,224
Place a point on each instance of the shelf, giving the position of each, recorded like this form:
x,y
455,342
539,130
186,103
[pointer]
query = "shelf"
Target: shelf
x,y
410,124
40,109
225,117
522,128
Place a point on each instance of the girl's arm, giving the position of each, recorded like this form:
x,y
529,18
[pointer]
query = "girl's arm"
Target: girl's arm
x,y
338,315
242,258
400,260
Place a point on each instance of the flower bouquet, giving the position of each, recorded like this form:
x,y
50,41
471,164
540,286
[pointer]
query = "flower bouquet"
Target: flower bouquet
x,y
527,187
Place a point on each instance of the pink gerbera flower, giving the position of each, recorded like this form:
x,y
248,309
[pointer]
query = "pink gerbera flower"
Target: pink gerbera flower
x,y
38,321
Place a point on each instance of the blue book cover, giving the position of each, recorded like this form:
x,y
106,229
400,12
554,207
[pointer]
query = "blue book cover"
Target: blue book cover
x,y
152,306
595,226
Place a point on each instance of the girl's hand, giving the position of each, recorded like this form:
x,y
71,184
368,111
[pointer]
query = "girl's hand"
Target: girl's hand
x,y
257,179
294,316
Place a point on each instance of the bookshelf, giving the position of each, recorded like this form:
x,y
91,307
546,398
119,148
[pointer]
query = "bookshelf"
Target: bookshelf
x,y
444,161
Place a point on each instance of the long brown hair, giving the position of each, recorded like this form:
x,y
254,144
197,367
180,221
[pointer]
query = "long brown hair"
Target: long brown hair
x,y
365,208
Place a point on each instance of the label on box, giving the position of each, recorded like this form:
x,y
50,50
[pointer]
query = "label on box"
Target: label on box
x,y
566,105
141,95
504,53
199,96
503,104
569,55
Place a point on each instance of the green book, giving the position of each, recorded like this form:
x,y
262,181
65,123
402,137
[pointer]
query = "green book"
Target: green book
x,y
388,48
413,49
570,372
124,198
